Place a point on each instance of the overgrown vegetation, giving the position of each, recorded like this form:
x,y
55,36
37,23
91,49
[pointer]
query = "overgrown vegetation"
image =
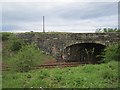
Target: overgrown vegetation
x,y
87,76
26,58
106,30
11,44
112,53
22,57
6,35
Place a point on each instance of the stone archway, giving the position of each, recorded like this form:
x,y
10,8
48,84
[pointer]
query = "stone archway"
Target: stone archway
x,y
83,53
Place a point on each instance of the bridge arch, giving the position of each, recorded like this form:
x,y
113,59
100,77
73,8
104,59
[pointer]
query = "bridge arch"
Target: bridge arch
x,y
83,52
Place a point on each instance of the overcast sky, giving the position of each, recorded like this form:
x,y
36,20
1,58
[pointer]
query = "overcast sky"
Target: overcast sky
x,y
59,16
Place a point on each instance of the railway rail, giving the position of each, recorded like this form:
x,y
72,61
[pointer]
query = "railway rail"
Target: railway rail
x,y
52,65
61,65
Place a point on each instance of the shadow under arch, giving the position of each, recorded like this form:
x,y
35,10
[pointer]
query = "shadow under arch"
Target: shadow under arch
x,y
83,53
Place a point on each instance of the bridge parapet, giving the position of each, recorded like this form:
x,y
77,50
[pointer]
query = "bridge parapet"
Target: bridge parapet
x,y
56,43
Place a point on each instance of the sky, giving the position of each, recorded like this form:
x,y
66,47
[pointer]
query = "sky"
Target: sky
x,y
60,16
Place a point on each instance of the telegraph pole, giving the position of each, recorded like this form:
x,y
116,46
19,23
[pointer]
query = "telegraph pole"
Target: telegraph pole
x,y
43,25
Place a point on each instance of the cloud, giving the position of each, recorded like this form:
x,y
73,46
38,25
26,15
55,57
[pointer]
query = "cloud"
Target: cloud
x,y
65,17
60,1
21,12
89,10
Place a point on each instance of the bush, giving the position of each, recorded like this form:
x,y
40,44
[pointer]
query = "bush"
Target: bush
x,y
26,58
15,44
6,35
11,44
112,53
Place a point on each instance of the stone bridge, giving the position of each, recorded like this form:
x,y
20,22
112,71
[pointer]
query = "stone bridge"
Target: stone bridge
x,y
74,47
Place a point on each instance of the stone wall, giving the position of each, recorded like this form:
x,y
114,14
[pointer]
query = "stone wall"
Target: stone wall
x,y
55,43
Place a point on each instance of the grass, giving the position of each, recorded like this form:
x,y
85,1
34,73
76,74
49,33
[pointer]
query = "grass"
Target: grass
x,y
42,59
87,76
25,59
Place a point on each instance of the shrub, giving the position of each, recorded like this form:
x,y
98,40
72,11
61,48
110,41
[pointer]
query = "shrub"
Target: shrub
x,y
11,44
6,35
112,53
26,58
15,44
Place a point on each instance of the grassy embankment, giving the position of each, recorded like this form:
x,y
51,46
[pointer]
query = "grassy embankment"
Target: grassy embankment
x,y
87,76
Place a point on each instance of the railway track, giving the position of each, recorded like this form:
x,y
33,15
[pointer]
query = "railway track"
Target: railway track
x,y
61,65
52,65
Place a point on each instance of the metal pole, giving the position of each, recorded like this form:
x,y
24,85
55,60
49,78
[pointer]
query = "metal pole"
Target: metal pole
x,y
43,25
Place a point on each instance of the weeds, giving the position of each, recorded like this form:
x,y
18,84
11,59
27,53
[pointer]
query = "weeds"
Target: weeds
x,y
87,76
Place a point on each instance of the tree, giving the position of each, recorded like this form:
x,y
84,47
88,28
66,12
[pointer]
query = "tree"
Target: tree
x,y
106,30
